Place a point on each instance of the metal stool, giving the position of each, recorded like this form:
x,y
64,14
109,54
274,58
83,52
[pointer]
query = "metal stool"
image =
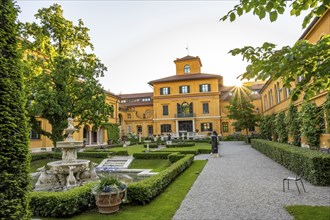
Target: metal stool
x,y
295,179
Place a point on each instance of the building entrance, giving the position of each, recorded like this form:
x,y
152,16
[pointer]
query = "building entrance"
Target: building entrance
x,y
186,126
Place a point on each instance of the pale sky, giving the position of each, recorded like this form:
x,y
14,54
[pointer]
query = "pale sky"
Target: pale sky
x,y
139,40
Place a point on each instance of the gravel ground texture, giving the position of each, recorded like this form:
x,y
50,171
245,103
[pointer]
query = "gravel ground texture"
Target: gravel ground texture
x,y
245,184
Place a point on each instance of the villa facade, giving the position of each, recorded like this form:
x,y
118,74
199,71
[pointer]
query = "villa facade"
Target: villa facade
x,y
275,97
190,102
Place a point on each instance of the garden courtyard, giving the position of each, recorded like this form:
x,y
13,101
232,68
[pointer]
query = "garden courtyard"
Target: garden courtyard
x,y
241,184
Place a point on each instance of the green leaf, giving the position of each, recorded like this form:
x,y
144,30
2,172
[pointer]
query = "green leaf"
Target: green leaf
x,y
239,11
262,14
273,16
269,6
232,17
280,10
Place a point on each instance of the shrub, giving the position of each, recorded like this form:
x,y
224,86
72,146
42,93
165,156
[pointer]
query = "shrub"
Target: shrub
x,y
152,155
151,145
195,152
144,191
181,144
14,142
39,156
93,154
174,157
62,204
312,165
119,152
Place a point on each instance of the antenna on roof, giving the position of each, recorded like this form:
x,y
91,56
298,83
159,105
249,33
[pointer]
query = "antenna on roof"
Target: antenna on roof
x,y
187,48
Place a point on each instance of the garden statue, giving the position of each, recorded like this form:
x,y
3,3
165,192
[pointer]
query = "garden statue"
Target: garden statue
x,y
214,138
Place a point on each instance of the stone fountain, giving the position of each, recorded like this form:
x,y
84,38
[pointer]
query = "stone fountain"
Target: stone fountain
x,y
68,172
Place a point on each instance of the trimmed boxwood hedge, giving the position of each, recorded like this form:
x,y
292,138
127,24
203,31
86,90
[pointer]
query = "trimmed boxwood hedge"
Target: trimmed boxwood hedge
x,y
144,191
195,152
180,144
312,165
151,145
152,155
174,157
62,204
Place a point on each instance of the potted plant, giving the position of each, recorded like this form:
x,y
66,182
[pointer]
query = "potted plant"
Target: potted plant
x,y
109,192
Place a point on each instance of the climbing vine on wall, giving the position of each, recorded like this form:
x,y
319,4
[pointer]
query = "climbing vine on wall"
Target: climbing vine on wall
x,y
311,124
293,124
112,131
281,128
326,108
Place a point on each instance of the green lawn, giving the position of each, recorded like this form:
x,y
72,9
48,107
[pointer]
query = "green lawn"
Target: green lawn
x,y
303,212
197,146
155,165
162,207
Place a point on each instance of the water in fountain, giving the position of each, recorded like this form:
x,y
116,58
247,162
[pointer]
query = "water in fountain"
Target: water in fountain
x,y
68,172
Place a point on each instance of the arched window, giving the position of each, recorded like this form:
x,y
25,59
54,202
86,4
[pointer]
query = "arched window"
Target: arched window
x,y
187,69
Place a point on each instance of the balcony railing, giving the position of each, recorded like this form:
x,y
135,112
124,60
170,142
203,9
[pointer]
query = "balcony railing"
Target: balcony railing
x,y
185,115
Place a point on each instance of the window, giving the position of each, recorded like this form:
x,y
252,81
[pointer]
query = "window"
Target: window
x,y
150,130
184,89
278,91
165,109
225,127
206,126
254,92
187,69
205,88
146,99
252,128
165,91
165,128
128,115
139,129
34,135
287,92
206,108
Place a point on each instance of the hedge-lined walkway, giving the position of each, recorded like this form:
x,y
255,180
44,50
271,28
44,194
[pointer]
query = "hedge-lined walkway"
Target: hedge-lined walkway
x,y
245,184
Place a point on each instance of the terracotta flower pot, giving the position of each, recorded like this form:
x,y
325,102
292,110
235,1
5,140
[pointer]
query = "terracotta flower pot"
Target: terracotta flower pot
x,y
109,202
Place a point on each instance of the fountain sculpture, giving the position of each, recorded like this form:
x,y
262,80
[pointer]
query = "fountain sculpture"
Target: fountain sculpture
x,y
70,171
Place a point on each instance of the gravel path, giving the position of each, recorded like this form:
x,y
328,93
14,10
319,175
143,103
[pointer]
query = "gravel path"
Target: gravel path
x,y
245,184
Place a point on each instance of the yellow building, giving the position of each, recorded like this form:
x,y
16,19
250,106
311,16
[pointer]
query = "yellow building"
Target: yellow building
x,y
189,103
87,134
275,97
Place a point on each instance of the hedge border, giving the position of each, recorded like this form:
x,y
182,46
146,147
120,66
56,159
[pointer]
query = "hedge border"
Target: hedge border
x,y
312,165
144,191
62,204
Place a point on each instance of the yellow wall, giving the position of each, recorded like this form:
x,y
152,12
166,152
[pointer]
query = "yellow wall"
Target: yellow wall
x,y
45,142
195,66
322,27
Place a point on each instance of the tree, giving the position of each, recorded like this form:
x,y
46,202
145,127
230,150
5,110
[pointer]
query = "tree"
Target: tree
x,y
310,61
311,124
14,152
265,127
293,124
281,128
61,74
242,111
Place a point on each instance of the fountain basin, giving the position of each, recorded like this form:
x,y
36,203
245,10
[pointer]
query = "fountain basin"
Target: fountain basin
x,y
62,167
